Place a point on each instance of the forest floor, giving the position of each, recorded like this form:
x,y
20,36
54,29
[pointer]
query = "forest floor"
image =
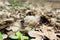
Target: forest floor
x,y
29,22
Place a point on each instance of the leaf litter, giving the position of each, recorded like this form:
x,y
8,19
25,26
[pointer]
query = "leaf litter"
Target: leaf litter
x,y
36,22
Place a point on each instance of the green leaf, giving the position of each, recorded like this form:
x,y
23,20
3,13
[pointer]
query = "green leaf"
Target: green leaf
x,y
1,36
14,37
25,37
15,1
19,35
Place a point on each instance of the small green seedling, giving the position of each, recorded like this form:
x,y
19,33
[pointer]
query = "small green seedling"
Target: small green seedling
x,y
19,36
14,37
1,36
14,3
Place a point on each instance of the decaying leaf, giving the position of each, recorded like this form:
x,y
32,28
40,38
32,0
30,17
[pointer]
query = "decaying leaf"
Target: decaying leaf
x,y
35,33
48,32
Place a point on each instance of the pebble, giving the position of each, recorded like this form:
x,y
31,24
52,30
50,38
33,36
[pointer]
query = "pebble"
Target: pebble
x,y
31,20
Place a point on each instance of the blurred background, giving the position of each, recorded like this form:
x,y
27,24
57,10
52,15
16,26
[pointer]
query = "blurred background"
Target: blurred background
x,y
52,3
